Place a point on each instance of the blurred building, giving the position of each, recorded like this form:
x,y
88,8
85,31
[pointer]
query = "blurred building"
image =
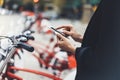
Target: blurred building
x,y
1,2
69,8
92,2
72,9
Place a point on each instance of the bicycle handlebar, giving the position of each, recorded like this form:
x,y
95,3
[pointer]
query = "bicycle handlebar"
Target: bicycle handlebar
x,y
24,38
25,46
16,43
27,35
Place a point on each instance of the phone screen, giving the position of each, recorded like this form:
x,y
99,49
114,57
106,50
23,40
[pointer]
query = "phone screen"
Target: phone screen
x,y
57,31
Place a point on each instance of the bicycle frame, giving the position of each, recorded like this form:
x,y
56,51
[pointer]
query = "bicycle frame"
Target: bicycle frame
x,y
51,54
10,74
10,68
30,71
38,19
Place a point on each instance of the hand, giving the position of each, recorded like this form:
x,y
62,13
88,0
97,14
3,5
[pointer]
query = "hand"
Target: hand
x,y
64,44
70,31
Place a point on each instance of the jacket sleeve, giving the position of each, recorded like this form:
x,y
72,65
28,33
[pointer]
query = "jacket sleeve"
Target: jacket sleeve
x,y
86,59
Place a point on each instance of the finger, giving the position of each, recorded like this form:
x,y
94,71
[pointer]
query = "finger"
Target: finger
x,y
59,42
61,27
64,27
66,32
60,37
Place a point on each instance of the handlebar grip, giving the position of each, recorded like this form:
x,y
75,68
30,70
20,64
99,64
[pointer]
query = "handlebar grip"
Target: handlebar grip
x,y
32,31
28,32
25,46
30,38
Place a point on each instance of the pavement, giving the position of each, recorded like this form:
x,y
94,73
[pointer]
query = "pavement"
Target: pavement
x,y
11,25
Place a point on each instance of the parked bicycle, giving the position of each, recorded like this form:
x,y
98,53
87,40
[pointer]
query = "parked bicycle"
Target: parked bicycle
x,y
7,68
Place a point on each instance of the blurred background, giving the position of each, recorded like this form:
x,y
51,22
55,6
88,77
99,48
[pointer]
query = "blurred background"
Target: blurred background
x,y
17,16
71,9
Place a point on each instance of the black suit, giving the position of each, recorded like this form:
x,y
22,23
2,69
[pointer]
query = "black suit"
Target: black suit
x,y
99,56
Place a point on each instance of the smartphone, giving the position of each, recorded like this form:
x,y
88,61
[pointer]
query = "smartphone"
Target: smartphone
x,y
58,31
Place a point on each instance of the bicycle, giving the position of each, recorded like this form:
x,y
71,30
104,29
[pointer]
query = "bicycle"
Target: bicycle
x,y
57,61
31,19
8,72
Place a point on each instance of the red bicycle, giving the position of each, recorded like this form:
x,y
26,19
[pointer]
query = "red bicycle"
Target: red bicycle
x,y
8,72
56,61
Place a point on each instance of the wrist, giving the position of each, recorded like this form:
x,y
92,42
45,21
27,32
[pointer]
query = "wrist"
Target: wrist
x,y
78,38
72,49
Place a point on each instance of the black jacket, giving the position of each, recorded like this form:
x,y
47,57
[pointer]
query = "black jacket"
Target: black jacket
x,y
99,56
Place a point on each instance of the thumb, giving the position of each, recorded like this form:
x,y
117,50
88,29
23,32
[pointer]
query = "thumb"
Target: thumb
x,y
60,37
66,32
